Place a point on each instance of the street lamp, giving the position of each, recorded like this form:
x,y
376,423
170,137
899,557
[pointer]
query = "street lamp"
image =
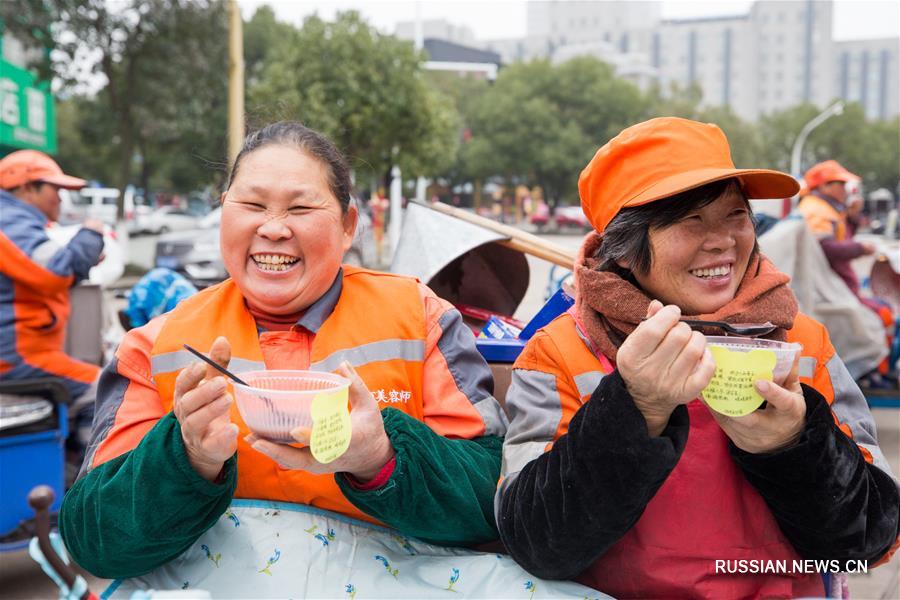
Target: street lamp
x,y
835,109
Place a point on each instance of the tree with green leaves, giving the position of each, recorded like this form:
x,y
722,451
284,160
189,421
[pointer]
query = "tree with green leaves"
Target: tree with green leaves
x,y
871,149
260,34
164,67
363,89
539,124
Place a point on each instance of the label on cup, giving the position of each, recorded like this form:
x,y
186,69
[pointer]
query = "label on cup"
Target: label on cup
x,y
731,391
331,430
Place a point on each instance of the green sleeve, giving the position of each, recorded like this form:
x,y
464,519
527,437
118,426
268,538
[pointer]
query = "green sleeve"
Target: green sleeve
x,y
441,490
142,509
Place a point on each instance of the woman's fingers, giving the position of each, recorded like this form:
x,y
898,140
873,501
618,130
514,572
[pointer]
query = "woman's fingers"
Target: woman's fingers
x,y
670,348
189,378
286,456
655,307
689,355
302,435
200,396
198,421
649,334
220,353
778,397
222,438
702,374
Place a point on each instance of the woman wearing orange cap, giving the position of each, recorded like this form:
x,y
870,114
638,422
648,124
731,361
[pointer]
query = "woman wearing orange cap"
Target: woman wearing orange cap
x,y
614,472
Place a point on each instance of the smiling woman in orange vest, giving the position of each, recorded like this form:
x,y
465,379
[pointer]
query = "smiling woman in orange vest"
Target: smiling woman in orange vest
x,y
169,449
614,472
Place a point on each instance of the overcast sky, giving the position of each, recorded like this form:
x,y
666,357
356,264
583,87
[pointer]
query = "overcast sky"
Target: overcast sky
x,y
493,19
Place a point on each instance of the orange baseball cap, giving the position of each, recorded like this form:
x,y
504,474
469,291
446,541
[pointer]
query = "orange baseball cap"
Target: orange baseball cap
x,y
663,157
827,171
25,166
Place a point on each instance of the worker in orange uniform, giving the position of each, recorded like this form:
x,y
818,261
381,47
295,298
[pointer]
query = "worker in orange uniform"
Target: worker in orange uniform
x,y
825,206
36,274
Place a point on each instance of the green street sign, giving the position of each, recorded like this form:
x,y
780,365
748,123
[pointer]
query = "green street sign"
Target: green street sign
x,y
27,117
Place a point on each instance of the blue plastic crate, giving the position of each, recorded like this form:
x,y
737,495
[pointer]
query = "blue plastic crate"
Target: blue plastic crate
x,y
28,460
507,350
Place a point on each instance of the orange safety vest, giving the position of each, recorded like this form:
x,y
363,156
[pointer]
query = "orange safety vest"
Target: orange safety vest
x,y
706,510
40,313
387,349
822,218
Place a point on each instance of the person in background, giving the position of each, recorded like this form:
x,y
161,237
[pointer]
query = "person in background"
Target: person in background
x,y
615,472
823,204
831,205
35,277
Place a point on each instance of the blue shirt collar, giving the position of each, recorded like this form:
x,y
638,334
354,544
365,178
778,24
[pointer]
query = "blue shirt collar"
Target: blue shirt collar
x,y
322,308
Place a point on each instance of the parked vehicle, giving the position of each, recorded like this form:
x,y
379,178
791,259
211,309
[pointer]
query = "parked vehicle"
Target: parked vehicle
x,y
165,219
100,203
540,218
571,217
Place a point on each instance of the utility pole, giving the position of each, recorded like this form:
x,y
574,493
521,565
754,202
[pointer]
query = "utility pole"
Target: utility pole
x,y
235,81
396,209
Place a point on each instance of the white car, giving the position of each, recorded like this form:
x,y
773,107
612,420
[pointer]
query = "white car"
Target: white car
x,y
100,203
166,219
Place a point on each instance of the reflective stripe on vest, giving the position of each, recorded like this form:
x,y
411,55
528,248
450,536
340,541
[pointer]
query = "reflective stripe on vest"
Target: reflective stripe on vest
x,y
179,359
413,350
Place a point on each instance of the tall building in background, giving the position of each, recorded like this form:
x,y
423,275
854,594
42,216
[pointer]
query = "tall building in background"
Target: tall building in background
x,y
866,72
438,29
777,55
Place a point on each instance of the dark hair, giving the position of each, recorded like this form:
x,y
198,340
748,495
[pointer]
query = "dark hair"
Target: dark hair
x,y
627,237
292,133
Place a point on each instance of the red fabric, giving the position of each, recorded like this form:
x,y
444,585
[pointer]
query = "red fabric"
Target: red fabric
x,y
671,551
378,481
275,322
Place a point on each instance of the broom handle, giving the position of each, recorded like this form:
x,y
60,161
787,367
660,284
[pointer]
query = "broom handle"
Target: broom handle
x,y
518,239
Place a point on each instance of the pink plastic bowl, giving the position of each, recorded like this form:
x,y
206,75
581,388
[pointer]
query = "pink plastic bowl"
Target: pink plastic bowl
x,y
276,402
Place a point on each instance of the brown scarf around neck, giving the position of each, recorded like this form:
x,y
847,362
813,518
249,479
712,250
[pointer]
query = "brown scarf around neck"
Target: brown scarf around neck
x,y
608,307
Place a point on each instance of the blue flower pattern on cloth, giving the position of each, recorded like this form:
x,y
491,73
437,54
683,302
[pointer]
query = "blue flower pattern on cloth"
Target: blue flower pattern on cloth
x,y
328,536
404,543
387,565
271,561
454,577
319,554
233,518
215,558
